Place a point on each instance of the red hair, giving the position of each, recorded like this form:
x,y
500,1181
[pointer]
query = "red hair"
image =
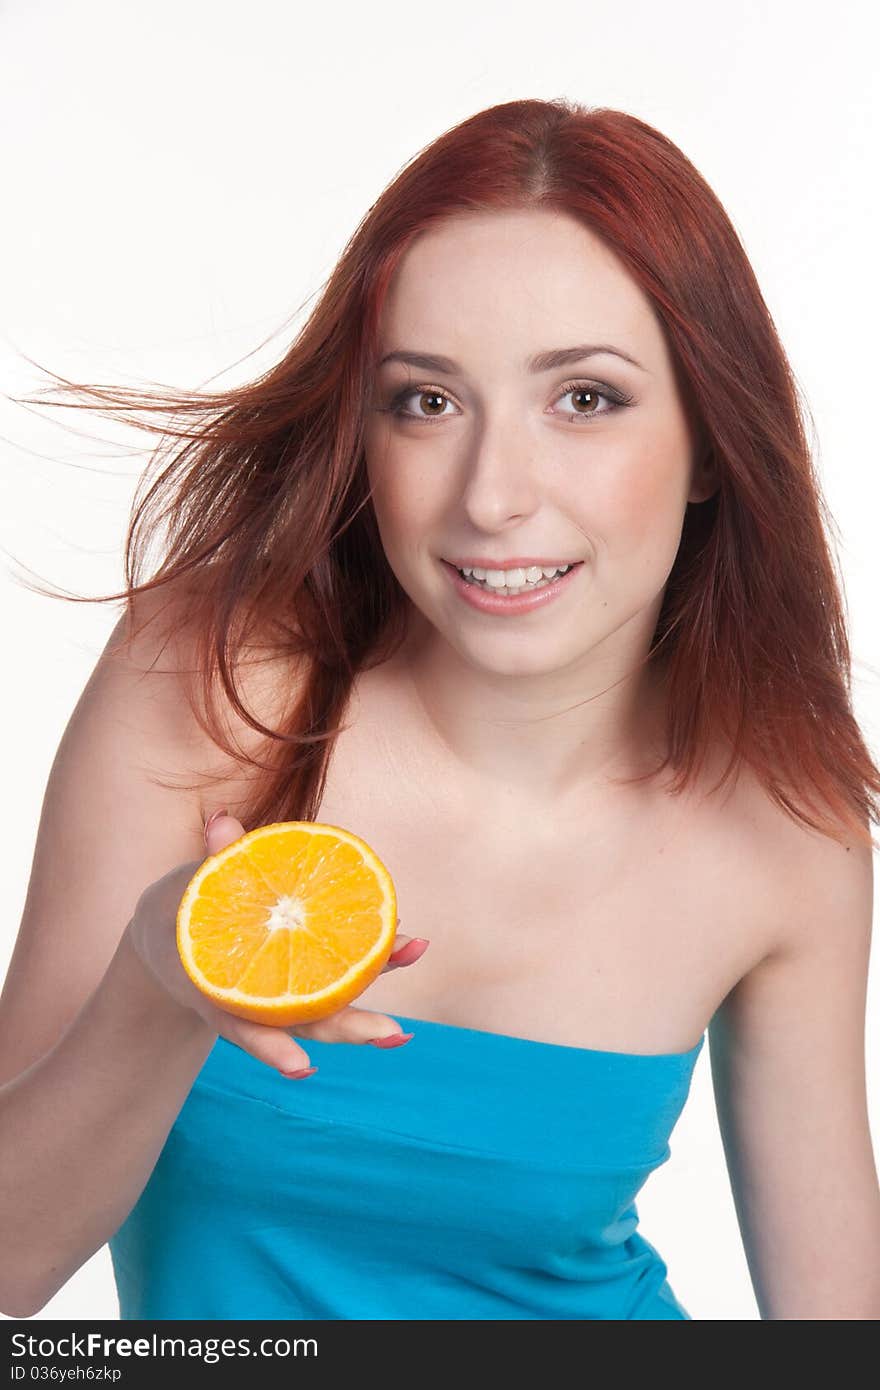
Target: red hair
x,y
267,499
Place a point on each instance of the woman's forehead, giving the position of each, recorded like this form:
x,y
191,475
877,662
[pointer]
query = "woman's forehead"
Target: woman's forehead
x,y
520,283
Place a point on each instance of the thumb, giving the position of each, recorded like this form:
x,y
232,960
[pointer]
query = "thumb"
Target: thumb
x,y
221,830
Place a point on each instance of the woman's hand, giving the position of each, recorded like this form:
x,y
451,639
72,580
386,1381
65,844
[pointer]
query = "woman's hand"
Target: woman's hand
x,y
153,933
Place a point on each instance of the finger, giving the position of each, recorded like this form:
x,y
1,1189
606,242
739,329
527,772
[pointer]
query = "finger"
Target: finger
x,y
407,950
273,1046
351,1025
221,830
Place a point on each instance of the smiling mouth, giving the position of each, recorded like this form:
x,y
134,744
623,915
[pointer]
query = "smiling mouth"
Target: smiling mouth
x,y
548,575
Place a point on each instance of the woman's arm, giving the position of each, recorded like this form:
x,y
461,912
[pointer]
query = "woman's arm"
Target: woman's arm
x,y
787,1050
83,1127
95,1059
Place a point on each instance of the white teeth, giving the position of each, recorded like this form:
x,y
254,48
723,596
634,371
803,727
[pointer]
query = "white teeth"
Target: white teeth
x,y
513,581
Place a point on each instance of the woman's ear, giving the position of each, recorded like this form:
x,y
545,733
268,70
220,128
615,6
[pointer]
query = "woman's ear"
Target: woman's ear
x,y
705,478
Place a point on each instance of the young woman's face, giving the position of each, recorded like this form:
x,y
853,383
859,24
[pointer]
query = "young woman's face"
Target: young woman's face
x,y
485,457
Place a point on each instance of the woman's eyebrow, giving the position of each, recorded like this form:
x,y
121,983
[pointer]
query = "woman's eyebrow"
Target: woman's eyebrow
x,y
541,362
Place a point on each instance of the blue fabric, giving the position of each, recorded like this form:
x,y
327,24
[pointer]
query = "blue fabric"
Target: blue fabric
x,y
467,1174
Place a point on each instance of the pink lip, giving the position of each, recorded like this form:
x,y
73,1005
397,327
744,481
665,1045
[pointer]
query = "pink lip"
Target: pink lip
x,y
487,602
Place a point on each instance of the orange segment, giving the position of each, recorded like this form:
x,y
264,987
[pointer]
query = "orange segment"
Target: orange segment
x,y
289,923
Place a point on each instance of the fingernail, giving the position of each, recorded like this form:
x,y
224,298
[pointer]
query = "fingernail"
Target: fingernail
x,y
306,1071
211,819
402,950
394,1040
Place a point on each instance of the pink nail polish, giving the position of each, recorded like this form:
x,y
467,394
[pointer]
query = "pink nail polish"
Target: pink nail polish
x,y
395,1040
306,1071
401,952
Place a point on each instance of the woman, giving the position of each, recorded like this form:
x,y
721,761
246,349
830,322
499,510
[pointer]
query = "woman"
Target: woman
x,y
625,804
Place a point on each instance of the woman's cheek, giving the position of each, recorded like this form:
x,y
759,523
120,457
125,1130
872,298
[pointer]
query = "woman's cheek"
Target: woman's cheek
x,y
649,502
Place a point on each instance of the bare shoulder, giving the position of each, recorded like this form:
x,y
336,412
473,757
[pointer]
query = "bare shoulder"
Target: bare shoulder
x,y
784,874
814,883
159,638
801,1000
158,641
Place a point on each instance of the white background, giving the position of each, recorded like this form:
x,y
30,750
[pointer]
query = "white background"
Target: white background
x,y
179,178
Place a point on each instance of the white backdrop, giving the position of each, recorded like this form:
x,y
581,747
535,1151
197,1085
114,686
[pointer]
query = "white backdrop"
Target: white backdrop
x,y
178,177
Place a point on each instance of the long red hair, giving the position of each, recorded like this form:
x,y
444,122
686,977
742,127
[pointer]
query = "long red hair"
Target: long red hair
x,y
271,530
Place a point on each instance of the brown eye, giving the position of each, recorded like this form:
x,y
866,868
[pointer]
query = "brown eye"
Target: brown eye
x,y
588,398
435,398
431,399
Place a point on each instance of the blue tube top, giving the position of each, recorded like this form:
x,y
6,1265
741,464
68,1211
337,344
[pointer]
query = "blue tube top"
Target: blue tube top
x,y
467,1174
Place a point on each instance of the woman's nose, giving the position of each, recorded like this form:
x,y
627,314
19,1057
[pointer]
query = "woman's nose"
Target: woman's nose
x,y
500,481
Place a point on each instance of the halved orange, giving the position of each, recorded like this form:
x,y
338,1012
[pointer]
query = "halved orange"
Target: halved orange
x,y
289,923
